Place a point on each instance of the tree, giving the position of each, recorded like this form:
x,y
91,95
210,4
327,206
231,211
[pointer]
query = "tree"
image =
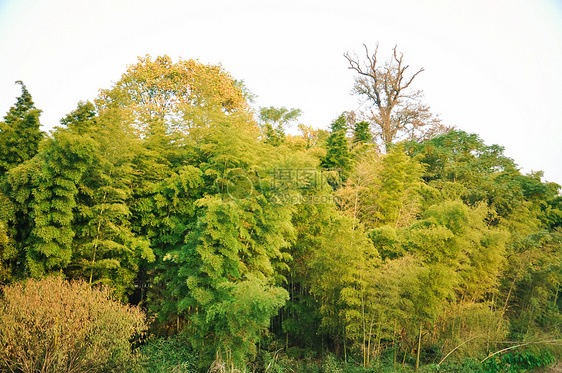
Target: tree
x,y
358,197
313,137
218,240
338,156
361,134
399,196
226,280
383,189
396,110
172,96
274,121
105,249
531,283
43,191
19,132
341,269
82,119
460,163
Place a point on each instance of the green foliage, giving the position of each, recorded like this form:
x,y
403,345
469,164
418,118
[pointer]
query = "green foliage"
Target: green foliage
x,y
241,312
165,216
8,251
274,122
358,197
342,269
467,365
340,124
338,156
105,249
515,362
82,119
162,355
461,157
400,183
226,272
487,175
263,249
457,236
469,330
531,284
384,190
303,308
20,132
361,133
44,192
56,326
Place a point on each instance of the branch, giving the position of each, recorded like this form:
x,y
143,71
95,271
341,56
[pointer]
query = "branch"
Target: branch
x,y
372,59
354,64
412,78
402,70
521,345
454,349
369,71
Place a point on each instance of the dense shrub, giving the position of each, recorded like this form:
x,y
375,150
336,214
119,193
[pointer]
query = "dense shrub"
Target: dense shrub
x,y
520,361
53,325
173,354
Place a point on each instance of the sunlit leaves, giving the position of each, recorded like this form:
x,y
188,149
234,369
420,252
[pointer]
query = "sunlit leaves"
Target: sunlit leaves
x,y
177,94
274,122
45,190
106,250
20,132
232,251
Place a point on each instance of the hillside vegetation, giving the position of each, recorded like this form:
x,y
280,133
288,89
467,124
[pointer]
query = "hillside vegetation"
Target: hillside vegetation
x,y
389,242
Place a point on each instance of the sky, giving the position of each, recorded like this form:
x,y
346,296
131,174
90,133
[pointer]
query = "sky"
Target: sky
x,y
492,67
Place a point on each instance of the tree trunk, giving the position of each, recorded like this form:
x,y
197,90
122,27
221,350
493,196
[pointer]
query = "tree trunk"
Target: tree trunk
x,y
419,349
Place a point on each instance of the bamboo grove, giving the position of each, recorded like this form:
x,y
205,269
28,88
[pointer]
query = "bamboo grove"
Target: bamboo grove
x,y
224,228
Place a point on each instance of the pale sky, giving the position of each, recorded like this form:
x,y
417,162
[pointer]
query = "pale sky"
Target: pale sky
x,y
492,67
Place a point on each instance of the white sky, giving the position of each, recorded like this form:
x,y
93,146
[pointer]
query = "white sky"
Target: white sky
x,y
492,67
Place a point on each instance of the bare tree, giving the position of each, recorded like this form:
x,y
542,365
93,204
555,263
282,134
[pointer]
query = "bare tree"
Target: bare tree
x,y
395,110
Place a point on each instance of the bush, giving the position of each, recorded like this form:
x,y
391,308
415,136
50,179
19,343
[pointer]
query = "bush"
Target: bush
x,y
467,365
161,355
522,361
56,326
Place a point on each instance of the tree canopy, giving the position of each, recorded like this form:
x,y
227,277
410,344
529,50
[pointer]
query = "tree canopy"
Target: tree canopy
x,y
244,240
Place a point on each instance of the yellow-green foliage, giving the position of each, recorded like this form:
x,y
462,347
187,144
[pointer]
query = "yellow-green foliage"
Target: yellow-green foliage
x,y
57,326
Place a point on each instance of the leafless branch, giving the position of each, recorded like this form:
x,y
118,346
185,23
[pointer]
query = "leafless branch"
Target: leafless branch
x,y
388,88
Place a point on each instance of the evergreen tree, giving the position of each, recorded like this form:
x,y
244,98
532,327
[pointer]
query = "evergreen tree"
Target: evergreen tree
x,y
361,133
338,157
44,191
105,249
20,132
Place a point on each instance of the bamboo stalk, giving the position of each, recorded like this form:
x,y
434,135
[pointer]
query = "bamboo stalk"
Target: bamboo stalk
x,y
454,349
